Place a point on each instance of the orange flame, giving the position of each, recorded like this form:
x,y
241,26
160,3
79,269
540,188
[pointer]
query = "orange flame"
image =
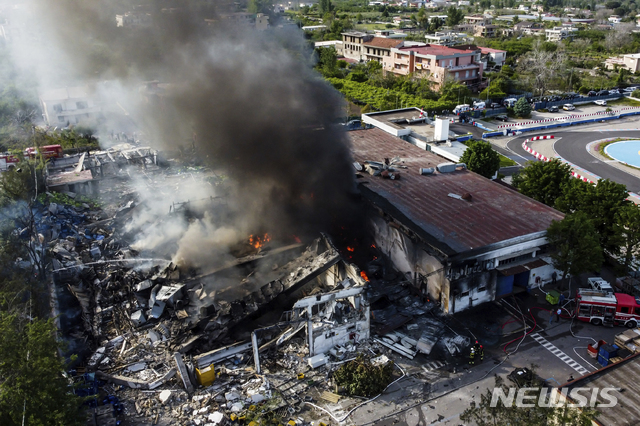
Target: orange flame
x,y
258,241
373,246
296,239
363,275
351,249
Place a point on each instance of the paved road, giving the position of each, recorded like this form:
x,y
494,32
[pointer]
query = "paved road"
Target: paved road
x,y
572,147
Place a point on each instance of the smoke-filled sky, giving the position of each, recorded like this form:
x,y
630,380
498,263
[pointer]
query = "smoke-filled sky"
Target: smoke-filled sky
x,y
248,100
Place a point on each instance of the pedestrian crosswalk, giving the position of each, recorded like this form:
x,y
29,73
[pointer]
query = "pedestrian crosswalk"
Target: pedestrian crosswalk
x,y
557,352
434,365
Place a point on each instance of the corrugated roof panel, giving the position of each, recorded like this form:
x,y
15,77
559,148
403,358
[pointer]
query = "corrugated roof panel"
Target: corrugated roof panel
x,y
494,214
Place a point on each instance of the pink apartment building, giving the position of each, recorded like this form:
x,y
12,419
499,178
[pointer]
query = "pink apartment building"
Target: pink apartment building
x,y
437,63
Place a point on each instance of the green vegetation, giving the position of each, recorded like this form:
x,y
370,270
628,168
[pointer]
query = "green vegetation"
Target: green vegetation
x,y
482,413
522,108
575,245
482,159
361,378
603,205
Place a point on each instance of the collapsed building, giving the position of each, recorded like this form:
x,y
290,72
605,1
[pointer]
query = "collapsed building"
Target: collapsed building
x,y
462,239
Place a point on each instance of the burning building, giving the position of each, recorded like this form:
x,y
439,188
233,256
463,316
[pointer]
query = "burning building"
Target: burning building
x,y
462,239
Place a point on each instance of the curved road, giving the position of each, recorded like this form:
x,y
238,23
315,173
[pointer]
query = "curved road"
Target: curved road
x,y
573,148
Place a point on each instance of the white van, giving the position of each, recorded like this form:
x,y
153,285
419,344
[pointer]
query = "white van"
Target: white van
x,y
479,105
509,103
461,108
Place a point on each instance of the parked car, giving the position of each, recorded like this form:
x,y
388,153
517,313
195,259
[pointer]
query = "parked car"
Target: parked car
x,y
603,93
614,92
495,105
631,89
568,107
509,103
553,109
502,117
600,102
592,93
479,105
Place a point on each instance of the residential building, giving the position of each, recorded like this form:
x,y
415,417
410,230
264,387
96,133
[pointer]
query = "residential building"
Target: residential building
x,y
478,19
493,55
446,38
629,62
134,20
378,47
69,105
262,22
460,238
464,3
436,63
352,44
389,34
559,33
615,19
486,31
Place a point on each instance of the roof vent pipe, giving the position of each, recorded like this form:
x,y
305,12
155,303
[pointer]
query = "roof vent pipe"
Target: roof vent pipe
x,y
450,167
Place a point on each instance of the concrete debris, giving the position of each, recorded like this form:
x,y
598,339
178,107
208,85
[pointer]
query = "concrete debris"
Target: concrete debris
x,y
171,346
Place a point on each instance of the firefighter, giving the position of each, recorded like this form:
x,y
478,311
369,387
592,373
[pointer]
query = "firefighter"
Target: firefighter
x,y
472,355
479,350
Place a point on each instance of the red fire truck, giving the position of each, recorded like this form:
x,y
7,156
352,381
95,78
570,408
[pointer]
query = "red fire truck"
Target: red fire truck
x,y
601,307
8,161
48,151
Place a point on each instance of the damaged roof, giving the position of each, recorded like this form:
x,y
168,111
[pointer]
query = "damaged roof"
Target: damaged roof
x,y
422,202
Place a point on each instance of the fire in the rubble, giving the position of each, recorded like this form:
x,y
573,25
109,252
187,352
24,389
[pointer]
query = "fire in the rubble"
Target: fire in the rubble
x,y
351,249
364,275
258,241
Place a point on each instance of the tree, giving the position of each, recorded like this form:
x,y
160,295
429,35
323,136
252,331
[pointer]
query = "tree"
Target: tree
x,y
543,181
575,247
483,413
601,203
522,108
541,66
328,64
516,19
260,6
481,158
628,218
325,6
31,375
619,36
453,91
454,16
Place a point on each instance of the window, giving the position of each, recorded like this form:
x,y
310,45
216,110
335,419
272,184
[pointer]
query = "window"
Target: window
x,y
57,107
636,311
624,310
398,66
464,294
419,60
60,119
81,105
466,74
450,62
585,311
481,289
457,75
473,73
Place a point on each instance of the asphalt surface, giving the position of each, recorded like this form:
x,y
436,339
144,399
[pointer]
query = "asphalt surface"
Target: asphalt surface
x,y
573,148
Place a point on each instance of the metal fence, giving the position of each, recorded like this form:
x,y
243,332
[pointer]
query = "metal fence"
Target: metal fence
x,y
577,101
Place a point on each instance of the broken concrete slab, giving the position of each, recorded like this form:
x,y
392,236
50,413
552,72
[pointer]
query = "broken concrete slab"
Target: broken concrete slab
x,y
184,374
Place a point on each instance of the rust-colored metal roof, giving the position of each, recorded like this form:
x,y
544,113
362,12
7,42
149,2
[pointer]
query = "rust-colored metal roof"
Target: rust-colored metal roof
x,y
493,215
382,42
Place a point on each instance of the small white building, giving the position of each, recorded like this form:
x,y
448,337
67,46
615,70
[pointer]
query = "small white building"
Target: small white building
x,y
133,20
559,33
615,19
493,55
69,105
